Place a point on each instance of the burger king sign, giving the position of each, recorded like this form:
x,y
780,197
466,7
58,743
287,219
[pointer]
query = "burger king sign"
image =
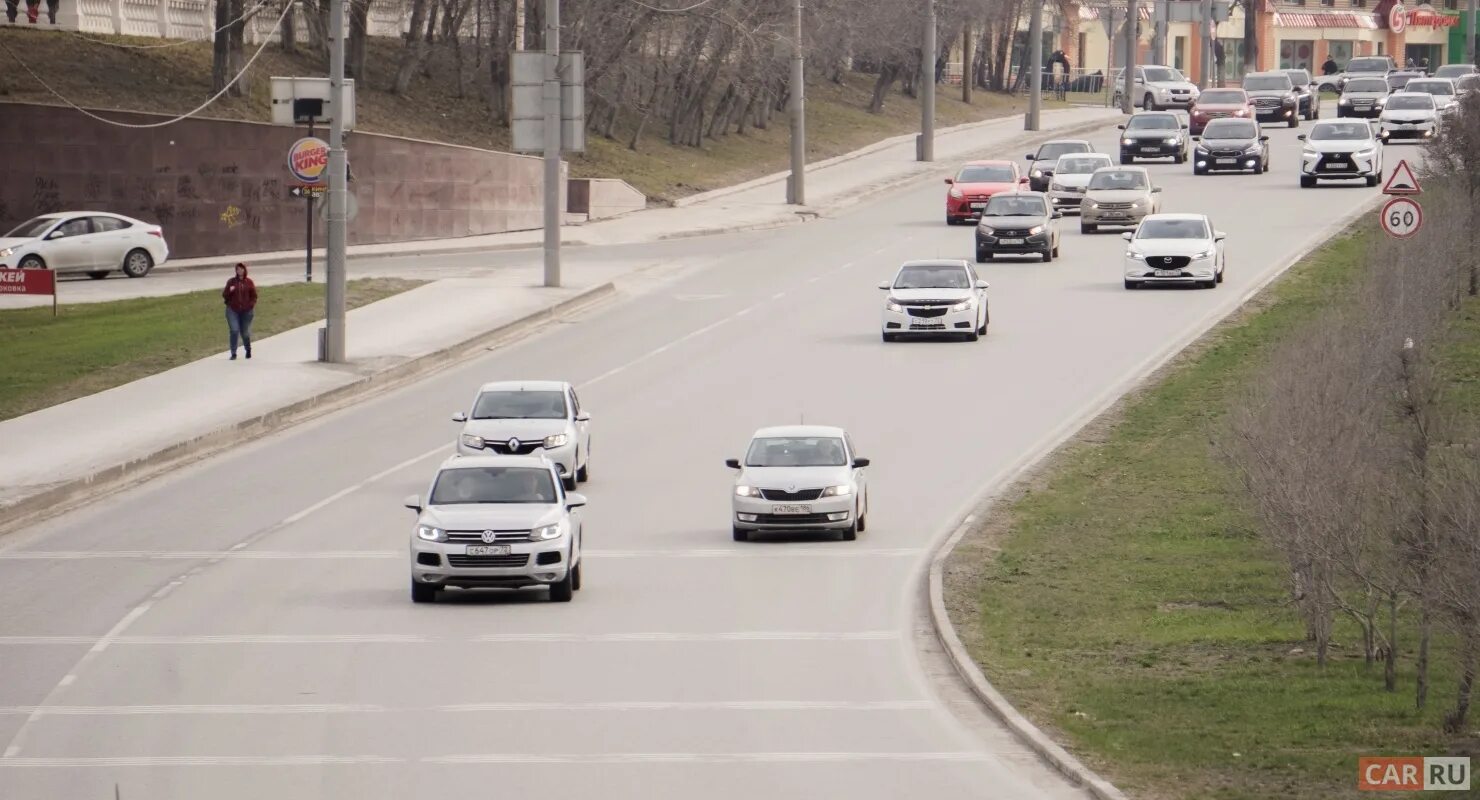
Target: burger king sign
x,y
308,160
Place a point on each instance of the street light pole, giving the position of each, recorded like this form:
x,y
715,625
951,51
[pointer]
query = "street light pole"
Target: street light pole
x,y
926,150
333,349
1470,32
1205,54
552,143
1132,26
1035,67
796,187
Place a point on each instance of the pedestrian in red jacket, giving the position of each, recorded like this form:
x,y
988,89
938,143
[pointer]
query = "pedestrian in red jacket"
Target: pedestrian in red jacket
x,y
240,295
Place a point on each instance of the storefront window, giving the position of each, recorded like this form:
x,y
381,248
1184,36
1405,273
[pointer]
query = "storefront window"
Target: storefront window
x,y
1233,59
1341,52
1296,54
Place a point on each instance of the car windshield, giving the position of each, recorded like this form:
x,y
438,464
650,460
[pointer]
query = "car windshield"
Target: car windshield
x,y
1432,87
1410,102
1051,151
1299,77
1163,75
1118,179
1153,122
1367,65
1230,129
1367,85
1000,206
520,405
797,451
932,276
994,173
1264,83
1467,83
1341,132
1172,229
1222,97
1079,165
467,485
1399,81
1454,70
32,228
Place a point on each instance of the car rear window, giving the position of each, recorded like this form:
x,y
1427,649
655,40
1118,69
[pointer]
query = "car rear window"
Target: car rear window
x,y
986,174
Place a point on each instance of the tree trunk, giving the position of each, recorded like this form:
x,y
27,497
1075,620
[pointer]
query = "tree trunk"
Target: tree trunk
x,y
1425,631
1390,662
359,24
501,43
1455,721
414,50
288,34
221,49
887,73
966,73
237,61
1251,39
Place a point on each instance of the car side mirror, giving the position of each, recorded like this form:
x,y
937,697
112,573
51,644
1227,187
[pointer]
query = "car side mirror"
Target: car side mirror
x,y
983,285
1127,236
459,417
1120,127
1057,214
584,416
860,463
1156,190
1263,138
732,463
574,500
1031,157
950,181
1197,138
1301,137
884,285
1023,181
413,502
1219,236
56,234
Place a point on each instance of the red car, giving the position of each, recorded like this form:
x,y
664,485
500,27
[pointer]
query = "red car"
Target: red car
x,y
1215,103
977,181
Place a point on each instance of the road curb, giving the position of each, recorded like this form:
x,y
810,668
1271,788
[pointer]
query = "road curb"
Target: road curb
x,y
79,491
944,630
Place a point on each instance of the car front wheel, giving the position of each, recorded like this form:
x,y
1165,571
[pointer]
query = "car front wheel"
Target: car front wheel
x,y
564,589
1307,181
1130,284
32,262
740,534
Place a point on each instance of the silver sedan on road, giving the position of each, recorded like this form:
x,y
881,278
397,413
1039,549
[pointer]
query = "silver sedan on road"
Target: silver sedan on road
x,y
1118,196
800,478
1070,177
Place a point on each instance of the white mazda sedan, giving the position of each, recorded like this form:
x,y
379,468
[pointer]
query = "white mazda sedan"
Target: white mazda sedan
x,y
93,242
800,478
520,418
1175,248
944,296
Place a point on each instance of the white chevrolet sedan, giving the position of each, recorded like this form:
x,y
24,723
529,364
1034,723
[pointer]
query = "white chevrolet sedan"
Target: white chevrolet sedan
x,y
521,418
1174,248
93,242
943,296
800,478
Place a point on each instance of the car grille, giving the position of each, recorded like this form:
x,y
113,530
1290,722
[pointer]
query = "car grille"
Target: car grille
x,y
1116,206
978,197
927,312
1266,103
1217,114
1014,233
524,448
515,560
476,537
1225,153
927,303
1335,162
782,494
1396,121
1357,101
790,519
1167,262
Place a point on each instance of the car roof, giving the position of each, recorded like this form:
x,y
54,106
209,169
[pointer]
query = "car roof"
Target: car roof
x,y
1269,73
523,386
1084,142
799,431
1021,193
1125,168
1176,216
536,462
990,162
1422,81
935,262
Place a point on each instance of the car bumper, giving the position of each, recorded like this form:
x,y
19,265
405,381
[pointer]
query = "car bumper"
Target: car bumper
x,y
1363,168
564,457
1174,101
1196,271
1239,163
522,567
1100,216
898,322
998,245
1067,202
1367,112
756,514
1282,114
1391,131
1157,150
963,210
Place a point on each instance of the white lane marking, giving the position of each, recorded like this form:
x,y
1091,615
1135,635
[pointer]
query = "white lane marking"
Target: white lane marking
x,y
67,680
490,638
737,636
128,619
695,758
464,708
296,555
198,761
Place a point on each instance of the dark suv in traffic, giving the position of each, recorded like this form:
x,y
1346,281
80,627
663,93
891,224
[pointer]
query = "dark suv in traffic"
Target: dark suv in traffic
x,y
1153,134
1274,97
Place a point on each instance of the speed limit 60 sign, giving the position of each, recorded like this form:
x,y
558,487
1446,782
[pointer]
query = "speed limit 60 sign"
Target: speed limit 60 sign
x,y
1402,217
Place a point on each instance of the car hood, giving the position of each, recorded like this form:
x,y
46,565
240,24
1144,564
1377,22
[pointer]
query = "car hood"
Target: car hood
x,y
1227,144
799,477
1416,113
1341,145
14,241
528,430
1117,195
922,294
490,516
1185,85
985,188
1364,95
1253,93
1221,108
1170,247
1078,179
1013,222
1150,134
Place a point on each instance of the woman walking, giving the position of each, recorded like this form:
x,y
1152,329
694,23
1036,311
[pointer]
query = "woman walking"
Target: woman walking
x,y
240,295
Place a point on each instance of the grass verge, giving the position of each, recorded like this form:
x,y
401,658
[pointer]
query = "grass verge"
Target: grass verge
x,y
92,73
1122,600
90,347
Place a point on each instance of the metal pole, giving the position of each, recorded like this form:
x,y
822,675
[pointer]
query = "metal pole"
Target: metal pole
x,y
796,188
308,222
1159,15
334,343
1132,25
1035,67
552,143
968,59
926,150
1205,57
1470,32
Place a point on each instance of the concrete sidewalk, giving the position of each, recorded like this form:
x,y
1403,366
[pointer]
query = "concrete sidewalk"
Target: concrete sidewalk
x,y
83,448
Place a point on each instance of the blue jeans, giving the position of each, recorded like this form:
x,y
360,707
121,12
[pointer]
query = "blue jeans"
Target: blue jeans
x,y
240,324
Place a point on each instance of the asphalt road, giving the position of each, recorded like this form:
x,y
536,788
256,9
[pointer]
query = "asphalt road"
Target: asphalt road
x,y
241,629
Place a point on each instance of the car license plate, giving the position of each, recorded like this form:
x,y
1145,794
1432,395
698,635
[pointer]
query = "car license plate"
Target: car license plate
x,y
1227,161
978,206
488,550
1150,149
1113,215
791,509
1169,273
1012,241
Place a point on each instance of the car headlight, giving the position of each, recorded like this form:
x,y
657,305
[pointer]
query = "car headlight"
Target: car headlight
x,y
956,193
1208,253
1242,112
964,305
430,533
837,491
893,306
1368,153
747,491
1037,173
557,440
1141,201
1345,101
544,533
1172,140
1089,204
1253,150
1035,230
475,442
1290,100
1136,255
7,252
1310,152
1127,142
1056,187
985,230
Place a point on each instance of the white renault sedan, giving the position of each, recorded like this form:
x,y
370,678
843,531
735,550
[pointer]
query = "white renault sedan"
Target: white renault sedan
x,y
943,296
800,478
530,417
1174,248
93,242
496,521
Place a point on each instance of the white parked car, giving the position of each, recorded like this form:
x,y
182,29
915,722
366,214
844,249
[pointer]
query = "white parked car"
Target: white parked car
x,y
1409,115
942,296
1443,90
496,521
1340,150
542,418
800,478
94,242
1070,175
1175,248
1157,88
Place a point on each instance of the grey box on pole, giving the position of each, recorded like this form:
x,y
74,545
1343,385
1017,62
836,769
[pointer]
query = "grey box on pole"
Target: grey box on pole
x,y
527,120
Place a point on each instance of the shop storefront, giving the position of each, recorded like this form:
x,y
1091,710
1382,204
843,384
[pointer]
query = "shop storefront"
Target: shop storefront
x,y
1427,36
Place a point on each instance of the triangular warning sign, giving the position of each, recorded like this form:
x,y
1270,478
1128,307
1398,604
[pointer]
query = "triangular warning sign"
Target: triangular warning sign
x,y
1403,181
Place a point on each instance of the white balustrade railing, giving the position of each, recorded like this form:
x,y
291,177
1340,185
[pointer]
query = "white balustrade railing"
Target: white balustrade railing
x,y
196,19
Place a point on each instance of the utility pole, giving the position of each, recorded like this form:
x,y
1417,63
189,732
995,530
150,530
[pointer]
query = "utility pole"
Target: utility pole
x,y
1035,67
1132,38
1470,32
1205,57
1159,16
333,349
796,187
968,59
926,149
552,143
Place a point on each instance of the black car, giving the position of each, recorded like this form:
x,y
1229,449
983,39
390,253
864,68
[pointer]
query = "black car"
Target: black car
x,y
1230,144
1362,97
1274,97
1153,134
1041,175
1018,223
1307,94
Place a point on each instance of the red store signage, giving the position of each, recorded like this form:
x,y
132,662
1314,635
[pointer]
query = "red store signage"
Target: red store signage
x,y
28,281
1424,18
